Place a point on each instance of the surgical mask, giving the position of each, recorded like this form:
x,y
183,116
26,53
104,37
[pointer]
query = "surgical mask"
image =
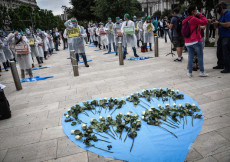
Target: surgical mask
x,y
142,20
18,36
27,32
118,21
148,21
110,21
134,19
124,19
75,25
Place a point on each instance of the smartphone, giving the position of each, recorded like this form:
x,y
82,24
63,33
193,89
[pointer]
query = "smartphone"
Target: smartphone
x,y
197,11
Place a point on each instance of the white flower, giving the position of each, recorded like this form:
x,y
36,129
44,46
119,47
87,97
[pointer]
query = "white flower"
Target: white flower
x,y
173,90
150,109
120,113
108,116
159,105
91,120
177,91
128,113
69,109
174,104
138,120
193,104
115,98
135,115
67,116
83,126
167,104
105,98
100,117
143,112
72,131
180,105
77,137
143,118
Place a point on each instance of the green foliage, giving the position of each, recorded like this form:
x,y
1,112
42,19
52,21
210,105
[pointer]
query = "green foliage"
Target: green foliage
x,y
100,10
167,13
157,14
23,16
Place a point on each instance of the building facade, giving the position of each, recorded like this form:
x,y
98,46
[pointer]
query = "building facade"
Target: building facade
x,y
15,3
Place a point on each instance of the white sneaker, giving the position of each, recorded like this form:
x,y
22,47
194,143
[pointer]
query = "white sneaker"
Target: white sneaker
x,y
203,74
189,75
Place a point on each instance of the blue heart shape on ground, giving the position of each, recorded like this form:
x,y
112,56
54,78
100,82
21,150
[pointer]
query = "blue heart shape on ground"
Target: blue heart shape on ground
x,y
139,58
37,78
109,53
44,67
151,144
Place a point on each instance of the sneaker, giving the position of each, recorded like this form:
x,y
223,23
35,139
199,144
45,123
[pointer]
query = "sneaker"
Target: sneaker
x,y
178,60
189,75
203,74
86,65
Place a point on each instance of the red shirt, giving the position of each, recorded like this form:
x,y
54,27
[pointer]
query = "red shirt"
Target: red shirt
x,y
195,24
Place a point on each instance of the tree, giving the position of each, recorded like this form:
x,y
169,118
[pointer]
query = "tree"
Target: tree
x,y
113,8
3,16
167,13
157,14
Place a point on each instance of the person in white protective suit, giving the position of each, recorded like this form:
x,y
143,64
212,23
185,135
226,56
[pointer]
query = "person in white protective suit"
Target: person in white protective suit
x,y
110,34
129,40
34,51
24,60
136,30
6,50
141,32
2,56
102,35
117,32
148,33
45,41
77,43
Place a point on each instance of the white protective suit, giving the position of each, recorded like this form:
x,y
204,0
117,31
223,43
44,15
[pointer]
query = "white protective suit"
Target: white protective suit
x,y
148,36
129,40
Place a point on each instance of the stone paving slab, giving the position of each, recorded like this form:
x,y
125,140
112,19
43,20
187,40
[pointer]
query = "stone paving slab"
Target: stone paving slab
x,y
34,133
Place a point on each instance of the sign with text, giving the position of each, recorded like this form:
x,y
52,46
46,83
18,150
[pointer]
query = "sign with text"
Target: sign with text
x,y
73,32
102,32
31,41
21,49
129,30
149,27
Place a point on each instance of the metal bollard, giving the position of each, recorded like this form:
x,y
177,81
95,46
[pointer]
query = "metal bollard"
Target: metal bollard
x,y
15,75
74,63
121,61
156,47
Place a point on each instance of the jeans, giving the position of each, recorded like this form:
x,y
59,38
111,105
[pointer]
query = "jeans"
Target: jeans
x,y
114,47
125,52
198,47
219,53
83,56
56,45
225,42
167,31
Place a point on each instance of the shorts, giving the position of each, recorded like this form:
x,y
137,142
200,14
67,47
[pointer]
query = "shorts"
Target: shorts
x,y
178,42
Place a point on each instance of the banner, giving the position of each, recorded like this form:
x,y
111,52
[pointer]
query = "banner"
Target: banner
x,y
129,30
149,27
31,41
73,32
21,49
102,32
111,28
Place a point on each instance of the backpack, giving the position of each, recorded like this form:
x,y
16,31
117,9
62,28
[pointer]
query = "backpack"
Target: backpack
x,y
185,30
179,24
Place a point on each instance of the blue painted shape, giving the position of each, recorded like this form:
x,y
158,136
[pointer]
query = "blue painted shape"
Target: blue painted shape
x,y
99,50
45,67
109,53
83,61
54,53
91,46
139,58
6,68
152,143
37,78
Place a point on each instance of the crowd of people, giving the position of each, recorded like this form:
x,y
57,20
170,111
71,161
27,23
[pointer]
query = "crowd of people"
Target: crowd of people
x,y
40,46
185,32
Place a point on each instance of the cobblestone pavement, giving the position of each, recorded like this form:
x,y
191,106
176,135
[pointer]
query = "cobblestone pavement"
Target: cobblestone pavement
x,y
34,133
